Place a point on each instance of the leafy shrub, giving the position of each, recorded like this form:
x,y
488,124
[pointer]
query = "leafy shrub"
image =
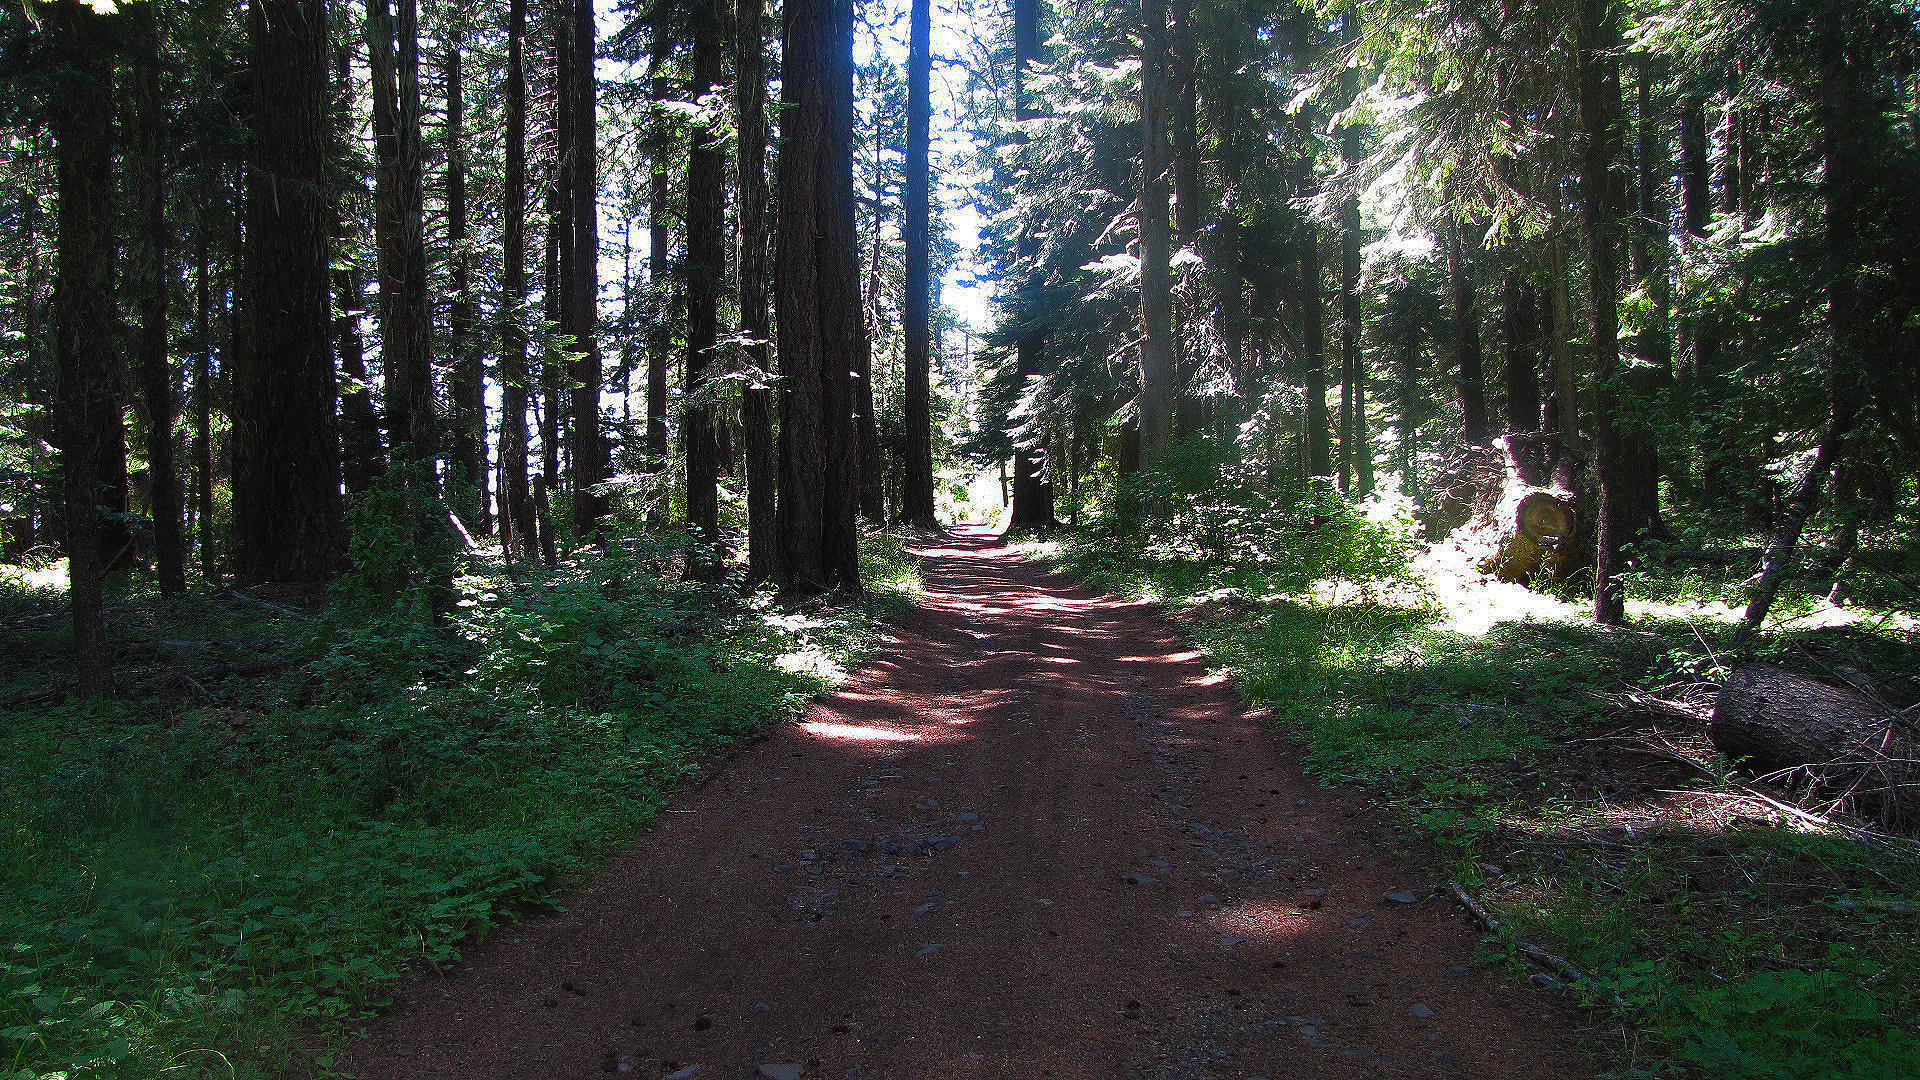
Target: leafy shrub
x,y
207,898
1212,505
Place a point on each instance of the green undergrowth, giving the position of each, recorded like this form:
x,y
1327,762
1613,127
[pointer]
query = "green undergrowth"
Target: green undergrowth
x,y
1740,947
222,879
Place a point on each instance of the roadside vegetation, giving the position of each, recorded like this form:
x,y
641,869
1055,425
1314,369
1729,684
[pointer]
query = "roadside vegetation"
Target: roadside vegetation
x,y
1727,928
301,798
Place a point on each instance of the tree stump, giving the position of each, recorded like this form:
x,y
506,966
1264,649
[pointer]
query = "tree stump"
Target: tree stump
x,y
1516,503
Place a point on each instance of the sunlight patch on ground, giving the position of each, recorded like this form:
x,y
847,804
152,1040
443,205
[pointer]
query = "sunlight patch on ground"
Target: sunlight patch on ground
x,y
52,577
827,730
1260,920
1472,604
1170,658
812,658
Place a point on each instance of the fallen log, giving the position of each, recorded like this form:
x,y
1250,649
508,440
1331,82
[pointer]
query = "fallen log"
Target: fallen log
x,y
1839,744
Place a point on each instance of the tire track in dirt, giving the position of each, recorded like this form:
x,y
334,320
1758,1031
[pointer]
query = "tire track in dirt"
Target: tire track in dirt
x,y
1034,838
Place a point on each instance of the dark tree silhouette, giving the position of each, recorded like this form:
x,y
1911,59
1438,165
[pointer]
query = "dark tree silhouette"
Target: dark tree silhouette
x,y
822,332
286,447
917,506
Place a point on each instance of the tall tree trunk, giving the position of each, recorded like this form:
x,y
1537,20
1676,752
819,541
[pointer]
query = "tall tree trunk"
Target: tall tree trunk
x,y
589,445
1520,310
202,447
1621,513
1183,124
466,382
406,313
1695,168
406,310
1156,279
85,321
519,530
548,412
704,271
872,468
1566,377
659,241
286,446
1318,460
817,301
1467,359
916,308
556,370
156,376
1356,457
1032,493
757,418
359,428
1652,252
1229,277
1356,451
1406,429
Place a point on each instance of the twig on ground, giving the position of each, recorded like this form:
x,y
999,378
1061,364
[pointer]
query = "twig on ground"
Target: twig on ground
x,y
35,697
1566,972
1804,820
197,688
277,609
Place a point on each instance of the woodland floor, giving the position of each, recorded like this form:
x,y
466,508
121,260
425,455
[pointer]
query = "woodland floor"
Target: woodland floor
x,y
1033,838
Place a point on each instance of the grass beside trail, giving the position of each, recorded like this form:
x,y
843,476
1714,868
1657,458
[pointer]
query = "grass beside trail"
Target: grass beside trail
x,y
220,878
1741,947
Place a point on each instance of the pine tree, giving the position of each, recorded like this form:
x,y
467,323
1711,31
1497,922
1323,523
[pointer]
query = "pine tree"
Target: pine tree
x,y
817,302
286,447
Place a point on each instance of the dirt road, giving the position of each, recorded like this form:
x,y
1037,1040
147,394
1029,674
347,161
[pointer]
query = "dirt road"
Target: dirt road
x,y
1034,838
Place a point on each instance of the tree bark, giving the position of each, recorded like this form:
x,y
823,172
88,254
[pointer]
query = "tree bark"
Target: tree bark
x,y
1834,742
286,445
519,530
150,268
466,381
916,309
1467,358
1318,458
1032,508
581,181
590,454
85,321
1615,453
359,427
817,302
406,314
1156,281
1521,313
703,272
757,417
1356,450
659,241
1565,418
202,400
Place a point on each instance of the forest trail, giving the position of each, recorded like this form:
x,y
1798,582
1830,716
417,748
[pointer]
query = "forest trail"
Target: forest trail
x,y
1033,838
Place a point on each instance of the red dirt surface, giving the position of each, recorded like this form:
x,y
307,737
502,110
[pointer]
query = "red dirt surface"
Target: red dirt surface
x,y
1034,838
